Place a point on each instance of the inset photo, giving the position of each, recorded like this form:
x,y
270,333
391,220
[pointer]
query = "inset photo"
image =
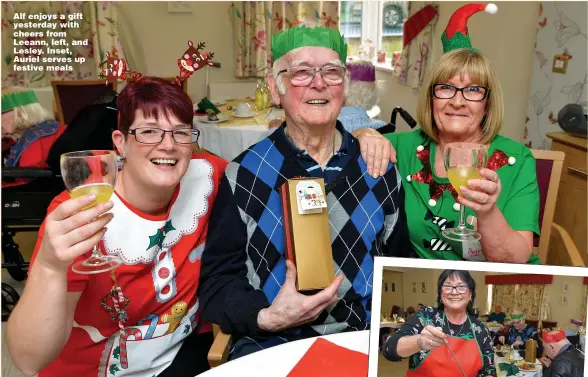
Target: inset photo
x,y
474,319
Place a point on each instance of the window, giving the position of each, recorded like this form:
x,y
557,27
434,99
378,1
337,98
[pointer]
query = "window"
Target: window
x,y
380,22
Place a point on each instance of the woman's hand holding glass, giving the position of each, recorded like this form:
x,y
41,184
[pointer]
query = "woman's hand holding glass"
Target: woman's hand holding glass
x,y
481,194
431,337
70,232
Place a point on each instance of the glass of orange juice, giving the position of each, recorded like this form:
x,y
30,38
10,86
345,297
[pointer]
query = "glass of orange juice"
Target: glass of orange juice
x,y
463,162
87,173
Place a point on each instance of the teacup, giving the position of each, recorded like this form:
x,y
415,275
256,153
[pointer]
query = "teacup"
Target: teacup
x,y
243,109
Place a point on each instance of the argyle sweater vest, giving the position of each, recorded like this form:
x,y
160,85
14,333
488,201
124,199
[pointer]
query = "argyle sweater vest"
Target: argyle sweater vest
x,y
366,219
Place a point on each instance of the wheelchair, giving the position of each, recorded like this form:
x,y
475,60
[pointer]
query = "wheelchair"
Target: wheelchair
x,y
391,127
24,207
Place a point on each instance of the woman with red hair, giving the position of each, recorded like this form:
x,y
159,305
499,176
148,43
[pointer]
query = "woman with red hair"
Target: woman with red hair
x,y
142,318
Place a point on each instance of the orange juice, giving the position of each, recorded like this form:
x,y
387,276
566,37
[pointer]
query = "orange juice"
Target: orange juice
x,y
103,192
460,177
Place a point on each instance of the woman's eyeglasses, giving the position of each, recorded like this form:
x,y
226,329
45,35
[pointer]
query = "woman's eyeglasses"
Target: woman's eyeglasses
x,y
473,93
148,135
303,76
459,288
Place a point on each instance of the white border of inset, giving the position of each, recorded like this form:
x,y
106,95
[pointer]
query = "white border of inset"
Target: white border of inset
x,y
433,264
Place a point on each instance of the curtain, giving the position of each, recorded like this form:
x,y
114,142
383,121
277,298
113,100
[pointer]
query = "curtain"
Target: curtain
x,y
97,27
527,298
254,22
503,295
410,66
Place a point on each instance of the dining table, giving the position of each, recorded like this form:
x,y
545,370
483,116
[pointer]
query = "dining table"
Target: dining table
x,y
279,361
231,134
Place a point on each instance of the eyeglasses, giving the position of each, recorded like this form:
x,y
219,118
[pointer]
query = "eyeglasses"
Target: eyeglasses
x,y
303,76
459,288
148,135
473,93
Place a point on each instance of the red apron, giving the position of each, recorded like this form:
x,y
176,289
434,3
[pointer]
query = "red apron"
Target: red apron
x,y
440,363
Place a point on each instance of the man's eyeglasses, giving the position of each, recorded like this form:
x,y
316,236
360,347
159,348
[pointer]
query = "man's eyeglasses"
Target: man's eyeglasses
x,y
303,76
473,93
459,288
149,135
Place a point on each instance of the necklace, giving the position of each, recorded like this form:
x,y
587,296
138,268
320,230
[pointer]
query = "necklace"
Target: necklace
x,y
460,329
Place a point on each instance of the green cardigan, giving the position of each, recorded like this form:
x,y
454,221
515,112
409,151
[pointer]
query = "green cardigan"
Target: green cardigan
x,y
427,217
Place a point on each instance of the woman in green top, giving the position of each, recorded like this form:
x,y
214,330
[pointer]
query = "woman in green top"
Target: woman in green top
x,y
463,102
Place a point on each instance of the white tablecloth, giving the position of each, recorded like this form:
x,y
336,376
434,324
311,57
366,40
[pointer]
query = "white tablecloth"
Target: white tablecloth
x,y
229,142
392,325
278,361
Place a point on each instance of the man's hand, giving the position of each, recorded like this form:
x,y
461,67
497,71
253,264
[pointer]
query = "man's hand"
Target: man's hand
x,y
546,361
376,151
501,339
291,309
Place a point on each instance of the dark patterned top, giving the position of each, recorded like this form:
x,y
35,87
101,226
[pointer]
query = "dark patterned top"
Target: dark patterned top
x,y
436,317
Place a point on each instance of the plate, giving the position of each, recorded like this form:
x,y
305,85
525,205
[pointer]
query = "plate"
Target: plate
x,y
218,102
204,119
251,115
533,366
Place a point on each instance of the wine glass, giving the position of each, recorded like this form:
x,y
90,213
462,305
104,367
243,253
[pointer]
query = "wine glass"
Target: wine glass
x,y
86,173
395,316
463,162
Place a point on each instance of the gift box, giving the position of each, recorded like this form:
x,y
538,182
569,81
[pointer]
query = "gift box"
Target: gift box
x,y
306,225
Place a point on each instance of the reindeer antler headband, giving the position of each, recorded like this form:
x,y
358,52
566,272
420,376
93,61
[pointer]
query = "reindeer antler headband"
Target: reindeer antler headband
x,y
191,61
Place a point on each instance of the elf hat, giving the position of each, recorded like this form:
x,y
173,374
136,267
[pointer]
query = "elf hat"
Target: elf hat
x,y
553,336
456,33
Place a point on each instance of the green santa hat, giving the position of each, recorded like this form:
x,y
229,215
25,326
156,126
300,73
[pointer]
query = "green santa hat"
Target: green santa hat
x,y
456,33
303,36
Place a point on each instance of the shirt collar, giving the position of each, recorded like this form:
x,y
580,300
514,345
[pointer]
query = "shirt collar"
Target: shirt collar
x,y
346,142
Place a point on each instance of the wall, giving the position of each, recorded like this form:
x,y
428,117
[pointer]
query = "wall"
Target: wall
x,y
507,38
430,277
562,26
390,298
164,36
573,309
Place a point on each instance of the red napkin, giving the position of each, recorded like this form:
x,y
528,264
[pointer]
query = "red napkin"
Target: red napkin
x,y
326,359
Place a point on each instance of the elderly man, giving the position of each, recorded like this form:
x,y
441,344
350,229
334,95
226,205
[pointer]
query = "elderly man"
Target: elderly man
x,y
247,286
518,334
562,360
497,316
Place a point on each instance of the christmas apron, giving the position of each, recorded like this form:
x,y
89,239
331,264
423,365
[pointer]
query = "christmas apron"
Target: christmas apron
x,y
440,363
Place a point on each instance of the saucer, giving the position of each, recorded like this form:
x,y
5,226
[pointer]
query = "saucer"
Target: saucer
x,y
250,115
204,119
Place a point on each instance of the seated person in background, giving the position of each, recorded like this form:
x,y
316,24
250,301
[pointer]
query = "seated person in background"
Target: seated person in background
x,y
248,285
68,324
518,334
462,101
28,131
561,358
362,96
423,337
497,315
409,312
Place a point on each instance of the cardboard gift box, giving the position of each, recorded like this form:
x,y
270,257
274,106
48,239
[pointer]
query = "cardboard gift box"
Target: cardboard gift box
x,y
306,225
